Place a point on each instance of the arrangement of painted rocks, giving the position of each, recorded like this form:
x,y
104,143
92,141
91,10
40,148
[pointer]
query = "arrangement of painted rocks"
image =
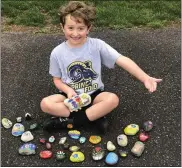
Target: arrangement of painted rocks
x,y
98,152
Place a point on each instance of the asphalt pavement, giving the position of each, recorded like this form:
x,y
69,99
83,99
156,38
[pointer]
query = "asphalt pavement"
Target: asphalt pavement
x,y
25,81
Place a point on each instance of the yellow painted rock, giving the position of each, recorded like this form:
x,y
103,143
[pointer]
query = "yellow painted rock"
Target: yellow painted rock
x,y
77,157
95,139
131,129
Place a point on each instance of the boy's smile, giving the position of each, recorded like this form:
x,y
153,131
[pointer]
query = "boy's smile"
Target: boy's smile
x,y
75,31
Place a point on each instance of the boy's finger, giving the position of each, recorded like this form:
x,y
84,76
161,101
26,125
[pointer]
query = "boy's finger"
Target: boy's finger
x,y
158,80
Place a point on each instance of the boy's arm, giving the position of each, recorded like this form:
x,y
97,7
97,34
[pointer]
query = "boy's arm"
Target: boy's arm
x,y
130,66
64,87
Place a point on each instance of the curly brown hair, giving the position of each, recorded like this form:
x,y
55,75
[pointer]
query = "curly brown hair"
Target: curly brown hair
x,y
78,9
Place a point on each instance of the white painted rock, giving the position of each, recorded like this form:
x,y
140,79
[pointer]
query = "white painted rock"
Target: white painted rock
x,y
110,146
62,140
18,129
122,140
27,136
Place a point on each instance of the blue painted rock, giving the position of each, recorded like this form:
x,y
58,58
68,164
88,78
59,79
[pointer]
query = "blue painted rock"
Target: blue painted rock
x,y
77,157
6,123
122,140
52,139
27,149
60,155
98,153
46,154
138,148
94,139
148,125
82,140
111,158
75,134
18,129
27,136
131,129
123,153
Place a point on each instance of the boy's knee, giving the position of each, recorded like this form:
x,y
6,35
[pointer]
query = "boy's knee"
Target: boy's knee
x,y
114,100
44,105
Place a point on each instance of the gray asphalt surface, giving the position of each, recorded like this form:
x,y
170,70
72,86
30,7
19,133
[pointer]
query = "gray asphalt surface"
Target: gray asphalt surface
x,y
25,81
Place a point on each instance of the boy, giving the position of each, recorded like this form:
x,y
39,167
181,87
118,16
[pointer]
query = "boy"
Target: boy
x,y
76,68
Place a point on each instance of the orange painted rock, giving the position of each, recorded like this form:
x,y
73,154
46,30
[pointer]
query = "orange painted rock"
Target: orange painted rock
x,y
45,154
94,139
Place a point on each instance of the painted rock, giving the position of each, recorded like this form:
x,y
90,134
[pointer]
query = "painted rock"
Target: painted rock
x,y
110,146
122,140
27,149
131,129
48,145
138,148
60,155
52,139
18,129
98,153
82,140
94,139
74,148
148,125
143,136
19,119
28,116
77,157
62,140
66,145
6,123
45,154
42,140
75,134
111,158
123,153
27,136
33,126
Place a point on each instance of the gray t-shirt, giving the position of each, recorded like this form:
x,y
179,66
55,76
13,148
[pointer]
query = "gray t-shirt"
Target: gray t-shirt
x,y
80,68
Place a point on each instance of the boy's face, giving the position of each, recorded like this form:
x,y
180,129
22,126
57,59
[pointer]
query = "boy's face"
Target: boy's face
x,y
75,32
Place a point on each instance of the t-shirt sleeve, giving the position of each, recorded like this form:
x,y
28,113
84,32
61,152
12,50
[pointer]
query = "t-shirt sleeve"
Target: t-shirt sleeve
x,y
54,68
108,54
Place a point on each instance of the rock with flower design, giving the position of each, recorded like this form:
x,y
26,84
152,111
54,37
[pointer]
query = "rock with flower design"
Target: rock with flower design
x,y
98,153
27,149
131,129
18,129
94,139
60,155
75,134
77,157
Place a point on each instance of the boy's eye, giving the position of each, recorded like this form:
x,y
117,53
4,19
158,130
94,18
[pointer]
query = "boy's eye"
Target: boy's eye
x,y
70,28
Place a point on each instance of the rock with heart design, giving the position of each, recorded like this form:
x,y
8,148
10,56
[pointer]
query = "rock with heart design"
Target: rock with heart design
x,y
147,126
27,136
18,129
110,146
46,154
122,140
143,136
98,153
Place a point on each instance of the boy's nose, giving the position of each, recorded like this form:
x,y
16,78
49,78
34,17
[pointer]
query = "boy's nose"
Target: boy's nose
x,y
75,33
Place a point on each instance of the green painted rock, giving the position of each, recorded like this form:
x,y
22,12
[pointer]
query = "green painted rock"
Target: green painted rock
x,y
60,155
77,157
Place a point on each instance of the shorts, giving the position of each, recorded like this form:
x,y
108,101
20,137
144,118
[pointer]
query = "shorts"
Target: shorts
x,y
93,96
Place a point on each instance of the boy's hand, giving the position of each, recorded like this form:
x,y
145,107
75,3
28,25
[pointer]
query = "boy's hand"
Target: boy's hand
x,y
71,93
151,83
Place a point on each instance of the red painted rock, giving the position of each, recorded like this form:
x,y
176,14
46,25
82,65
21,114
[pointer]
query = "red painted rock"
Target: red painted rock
x,y
143,136
42,140
45,154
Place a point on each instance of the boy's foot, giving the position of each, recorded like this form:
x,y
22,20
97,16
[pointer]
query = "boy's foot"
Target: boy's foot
x,y
102,125
55,123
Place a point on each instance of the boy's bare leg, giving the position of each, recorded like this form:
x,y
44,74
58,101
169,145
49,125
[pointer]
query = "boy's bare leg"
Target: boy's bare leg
x,y
103,104
54,105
